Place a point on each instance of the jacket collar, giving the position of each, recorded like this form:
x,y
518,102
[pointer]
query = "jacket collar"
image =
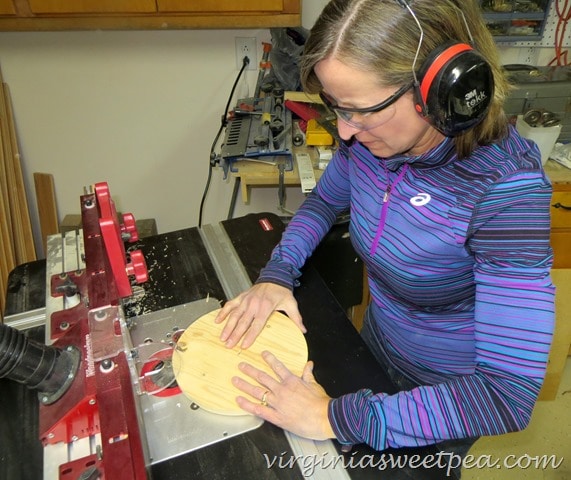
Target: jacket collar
x,y
438,156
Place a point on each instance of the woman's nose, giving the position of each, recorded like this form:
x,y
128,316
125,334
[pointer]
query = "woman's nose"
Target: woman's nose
x,y
345,130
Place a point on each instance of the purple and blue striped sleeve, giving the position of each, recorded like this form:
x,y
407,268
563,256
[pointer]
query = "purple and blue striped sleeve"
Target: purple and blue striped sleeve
x,y
308,227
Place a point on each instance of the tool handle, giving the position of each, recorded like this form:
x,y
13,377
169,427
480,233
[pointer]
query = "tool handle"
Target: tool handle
x,y
303,111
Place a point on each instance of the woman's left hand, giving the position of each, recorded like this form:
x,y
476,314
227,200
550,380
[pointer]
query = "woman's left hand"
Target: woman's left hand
x,y
296,404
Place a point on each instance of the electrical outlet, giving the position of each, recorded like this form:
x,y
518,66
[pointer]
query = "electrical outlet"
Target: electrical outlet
x,y
246,47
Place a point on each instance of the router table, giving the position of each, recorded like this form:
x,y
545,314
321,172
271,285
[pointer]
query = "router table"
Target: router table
x,y
164,435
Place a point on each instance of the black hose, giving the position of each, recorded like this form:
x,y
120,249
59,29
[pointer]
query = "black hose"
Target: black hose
x,y
47,369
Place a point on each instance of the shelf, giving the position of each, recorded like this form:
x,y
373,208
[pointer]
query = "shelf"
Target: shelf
x,y
508,24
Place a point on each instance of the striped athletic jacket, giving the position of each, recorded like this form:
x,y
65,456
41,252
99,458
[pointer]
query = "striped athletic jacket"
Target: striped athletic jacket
x,y
458,258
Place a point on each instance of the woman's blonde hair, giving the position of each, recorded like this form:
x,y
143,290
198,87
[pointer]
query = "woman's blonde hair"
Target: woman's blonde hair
x,y
381,37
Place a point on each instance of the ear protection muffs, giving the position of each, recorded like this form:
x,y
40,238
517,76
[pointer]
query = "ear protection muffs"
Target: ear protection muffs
x,y
455,88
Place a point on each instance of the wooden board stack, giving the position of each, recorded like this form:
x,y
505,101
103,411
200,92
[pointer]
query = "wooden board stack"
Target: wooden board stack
x,y
16,238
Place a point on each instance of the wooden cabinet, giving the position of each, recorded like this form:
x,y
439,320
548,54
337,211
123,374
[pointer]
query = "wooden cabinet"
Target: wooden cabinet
x,y
7,7
220,6
561,275
91,6
560,214
34,15
561,226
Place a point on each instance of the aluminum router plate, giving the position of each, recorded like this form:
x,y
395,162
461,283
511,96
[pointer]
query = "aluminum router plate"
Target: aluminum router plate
x,y
173,424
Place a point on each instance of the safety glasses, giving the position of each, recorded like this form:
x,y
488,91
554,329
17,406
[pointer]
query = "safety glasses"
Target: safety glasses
x,y
368,117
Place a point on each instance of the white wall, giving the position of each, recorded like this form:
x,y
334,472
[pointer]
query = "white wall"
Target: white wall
x,y
138,109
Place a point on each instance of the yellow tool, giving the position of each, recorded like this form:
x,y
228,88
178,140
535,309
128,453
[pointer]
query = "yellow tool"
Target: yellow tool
x,y
266,118
316,135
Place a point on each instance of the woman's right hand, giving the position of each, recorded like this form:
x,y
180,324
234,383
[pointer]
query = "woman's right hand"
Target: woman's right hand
x,y
247,314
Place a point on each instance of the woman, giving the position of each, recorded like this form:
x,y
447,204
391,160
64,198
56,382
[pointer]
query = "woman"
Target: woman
x,y
450,214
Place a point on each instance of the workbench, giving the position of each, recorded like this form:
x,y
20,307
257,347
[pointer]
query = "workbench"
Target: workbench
x,y
254,173
248,173
182,271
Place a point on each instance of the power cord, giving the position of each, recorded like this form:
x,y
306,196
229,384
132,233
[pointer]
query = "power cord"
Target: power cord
x,y
563,10
214,160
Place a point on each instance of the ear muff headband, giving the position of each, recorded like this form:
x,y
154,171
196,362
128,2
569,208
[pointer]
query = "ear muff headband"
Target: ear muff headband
x,y
438,64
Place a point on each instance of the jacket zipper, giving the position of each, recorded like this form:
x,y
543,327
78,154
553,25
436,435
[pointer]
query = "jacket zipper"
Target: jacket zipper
x,y
385,208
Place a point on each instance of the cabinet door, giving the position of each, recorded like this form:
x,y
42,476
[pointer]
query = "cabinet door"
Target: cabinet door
x,y
561,229
561,209
7,7
52,15
561,244
222,6
92,6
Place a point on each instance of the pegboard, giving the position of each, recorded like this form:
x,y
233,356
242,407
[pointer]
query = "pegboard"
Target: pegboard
x,y
548,39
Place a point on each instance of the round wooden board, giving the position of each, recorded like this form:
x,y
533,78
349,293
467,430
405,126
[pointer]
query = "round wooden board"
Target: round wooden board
x,y
204,366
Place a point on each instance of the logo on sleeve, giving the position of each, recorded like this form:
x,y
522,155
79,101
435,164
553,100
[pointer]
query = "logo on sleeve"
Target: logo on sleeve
x,y
420,199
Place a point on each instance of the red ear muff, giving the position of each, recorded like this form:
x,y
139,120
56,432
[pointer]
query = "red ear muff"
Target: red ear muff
x,y
435,66
456,87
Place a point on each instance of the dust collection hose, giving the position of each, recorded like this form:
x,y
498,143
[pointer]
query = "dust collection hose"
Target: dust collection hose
x,y
47,369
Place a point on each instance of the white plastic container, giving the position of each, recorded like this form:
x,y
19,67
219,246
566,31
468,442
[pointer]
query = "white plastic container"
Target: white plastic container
x,y
545,137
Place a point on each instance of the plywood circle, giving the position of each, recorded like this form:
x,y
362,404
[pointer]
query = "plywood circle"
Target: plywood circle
x,y
204,366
